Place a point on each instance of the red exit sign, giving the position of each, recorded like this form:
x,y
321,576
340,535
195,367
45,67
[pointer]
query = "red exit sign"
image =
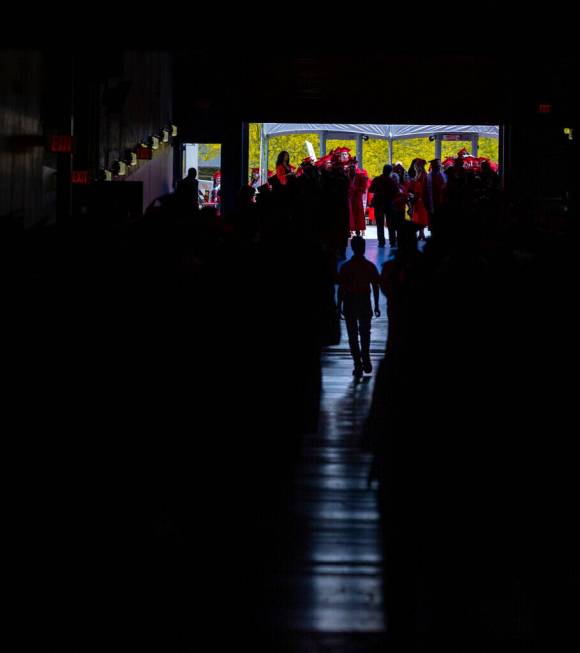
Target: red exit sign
x,y
61,143
544,108
80,177
144,153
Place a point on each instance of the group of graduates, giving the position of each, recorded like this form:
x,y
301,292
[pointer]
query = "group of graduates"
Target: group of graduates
x,y
396,190
422,197
338,193
326,196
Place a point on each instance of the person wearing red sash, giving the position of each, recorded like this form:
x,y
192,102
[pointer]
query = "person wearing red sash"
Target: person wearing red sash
x,y
418,194
357,188
215,194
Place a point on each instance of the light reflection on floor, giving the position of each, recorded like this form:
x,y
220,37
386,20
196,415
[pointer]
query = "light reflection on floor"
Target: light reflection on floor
x,y
334,583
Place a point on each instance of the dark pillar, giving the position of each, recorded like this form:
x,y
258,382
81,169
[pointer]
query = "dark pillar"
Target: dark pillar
x,y
234,163
59,96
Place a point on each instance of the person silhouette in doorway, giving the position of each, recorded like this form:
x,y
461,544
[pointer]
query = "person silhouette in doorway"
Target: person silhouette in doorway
x,y
356,278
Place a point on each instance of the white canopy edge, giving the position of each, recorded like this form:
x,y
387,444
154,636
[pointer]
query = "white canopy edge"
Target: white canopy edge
x,y
389,132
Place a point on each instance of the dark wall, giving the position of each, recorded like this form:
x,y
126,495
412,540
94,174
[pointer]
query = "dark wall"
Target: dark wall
x,y
120,100
108,102
21,137
136,102
156,175
324,87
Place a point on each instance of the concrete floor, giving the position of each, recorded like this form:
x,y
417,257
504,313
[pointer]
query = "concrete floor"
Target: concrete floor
x,y
328,594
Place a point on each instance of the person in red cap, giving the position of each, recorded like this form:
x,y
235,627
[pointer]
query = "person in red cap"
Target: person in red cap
x,y
418,195
215,191
255,179
306,163
324,162
342,154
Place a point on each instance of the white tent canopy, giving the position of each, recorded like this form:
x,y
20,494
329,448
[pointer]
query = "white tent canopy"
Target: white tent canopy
x,y
389,133
378,131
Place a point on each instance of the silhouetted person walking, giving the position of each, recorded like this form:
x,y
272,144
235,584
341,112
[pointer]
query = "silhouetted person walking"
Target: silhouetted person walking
x,y
187,192
436,192
385,189
356,277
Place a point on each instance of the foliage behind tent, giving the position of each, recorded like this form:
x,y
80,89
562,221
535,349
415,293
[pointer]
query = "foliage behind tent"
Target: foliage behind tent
x,y
375,151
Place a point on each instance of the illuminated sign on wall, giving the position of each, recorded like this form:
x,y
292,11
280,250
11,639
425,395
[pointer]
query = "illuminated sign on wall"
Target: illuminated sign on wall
x,y
61,143
144,153
80,177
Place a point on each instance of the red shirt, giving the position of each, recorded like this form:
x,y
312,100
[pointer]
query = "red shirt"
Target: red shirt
x,y
357,276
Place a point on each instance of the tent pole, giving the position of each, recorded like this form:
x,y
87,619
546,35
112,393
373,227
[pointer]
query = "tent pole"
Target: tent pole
x,y
359,152
322,143
390,151
438,146
262,154
474,144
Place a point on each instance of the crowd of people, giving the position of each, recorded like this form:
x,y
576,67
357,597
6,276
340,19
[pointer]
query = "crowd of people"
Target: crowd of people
x,y
479,319
417,195
208,330
325,201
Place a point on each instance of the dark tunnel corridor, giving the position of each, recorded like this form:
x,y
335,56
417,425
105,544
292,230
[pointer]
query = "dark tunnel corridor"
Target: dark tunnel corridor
x,y
240,464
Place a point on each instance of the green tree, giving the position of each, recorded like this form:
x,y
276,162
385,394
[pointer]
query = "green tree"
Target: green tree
x,y
209,151
294,144
375,156
254,145
450,148
489,147
413,148
332,144
375,151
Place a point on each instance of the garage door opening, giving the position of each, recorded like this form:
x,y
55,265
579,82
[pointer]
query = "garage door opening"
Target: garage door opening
x,y
372,146
206,159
